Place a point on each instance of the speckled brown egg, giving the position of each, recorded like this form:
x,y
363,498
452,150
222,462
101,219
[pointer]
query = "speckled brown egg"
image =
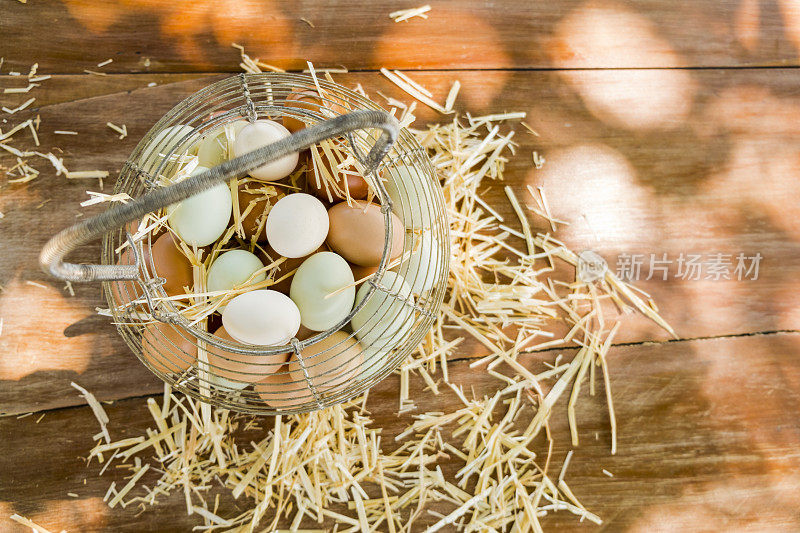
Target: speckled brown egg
x,y
172,265
255,221
166,349
331,362
279,390
241,367
357,233
356,184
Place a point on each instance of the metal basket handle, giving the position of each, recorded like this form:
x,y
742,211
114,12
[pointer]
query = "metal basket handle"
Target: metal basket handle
x,y
51,258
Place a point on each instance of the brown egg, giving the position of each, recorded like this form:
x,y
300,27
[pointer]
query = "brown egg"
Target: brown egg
x,y
330,362
357,233
356,184
166,349
288,265
241,367
124,292
361,272
279,390
172,265
305,99
265,197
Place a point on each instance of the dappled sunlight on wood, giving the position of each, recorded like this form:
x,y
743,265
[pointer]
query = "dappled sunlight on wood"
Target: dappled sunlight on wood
x,y
746,24
34,338
722,506
604,33
763,134
401,43
59,515
603,204
790,13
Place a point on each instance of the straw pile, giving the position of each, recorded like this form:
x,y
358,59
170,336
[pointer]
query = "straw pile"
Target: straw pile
x,y
509,292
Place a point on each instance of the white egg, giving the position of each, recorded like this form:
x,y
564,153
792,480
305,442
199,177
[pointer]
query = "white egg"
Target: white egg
x,y
412,195
213,148
421,271
317,278
297,225
234,268
202,218
166,140
224,384
384,320
261,133
261,317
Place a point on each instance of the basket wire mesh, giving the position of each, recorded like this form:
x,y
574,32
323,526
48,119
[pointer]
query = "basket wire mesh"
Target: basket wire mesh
x,y
398,306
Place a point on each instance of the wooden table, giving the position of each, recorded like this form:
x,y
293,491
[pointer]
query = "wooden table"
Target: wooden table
x,y
668,128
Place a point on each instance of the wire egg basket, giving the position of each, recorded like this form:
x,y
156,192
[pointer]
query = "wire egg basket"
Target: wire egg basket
x,y
393,311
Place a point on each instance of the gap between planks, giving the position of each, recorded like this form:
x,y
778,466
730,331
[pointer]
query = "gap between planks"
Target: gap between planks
x,y
450,361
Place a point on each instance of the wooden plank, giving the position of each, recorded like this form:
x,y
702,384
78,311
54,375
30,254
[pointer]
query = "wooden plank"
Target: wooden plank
x,y
681,185
146,35
708,440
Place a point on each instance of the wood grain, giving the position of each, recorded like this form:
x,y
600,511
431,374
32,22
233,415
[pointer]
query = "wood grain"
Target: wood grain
x,y
629,181
708,440
151,36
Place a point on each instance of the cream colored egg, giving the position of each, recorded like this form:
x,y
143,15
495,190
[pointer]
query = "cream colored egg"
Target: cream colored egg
x,y
412,195
261,317
297,225
384,317
232,269
261,133
421,271
167,140
202,219
323,290
329,363
213,148
226,385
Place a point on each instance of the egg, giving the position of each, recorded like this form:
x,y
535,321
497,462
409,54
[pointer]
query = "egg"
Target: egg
x,y
233,268
360,273
124,292
171,264
323,290
241,367
280,391
168,350
421,271
330,363
213,147
299,99
165,141
261,133
201,219
383,318
225,385
261,317
412,193
357,233
262,197
287,266
297,225
357,186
